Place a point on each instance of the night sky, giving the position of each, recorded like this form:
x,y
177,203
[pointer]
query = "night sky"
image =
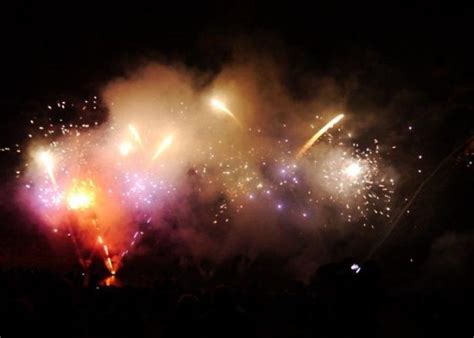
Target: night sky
x,y
407,65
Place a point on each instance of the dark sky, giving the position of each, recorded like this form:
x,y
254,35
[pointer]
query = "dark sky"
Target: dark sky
x,y
42,42
71,49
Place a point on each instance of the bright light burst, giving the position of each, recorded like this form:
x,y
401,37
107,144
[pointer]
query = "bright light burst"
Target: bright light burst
x,y
46,160
220,106
353,170
356,180
82,195
125,148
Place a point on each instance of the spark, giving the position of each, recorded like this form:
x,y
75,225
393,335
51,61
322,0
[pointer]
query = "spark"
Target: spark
x,y
219,105
318,134
81,196
353,170
46,160
108,260
111,267
165,144
135,134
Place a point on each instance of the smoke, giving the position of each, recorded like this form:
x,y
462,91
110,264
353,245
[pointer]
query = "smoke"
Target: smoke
x,y
221,189
449,263
228,201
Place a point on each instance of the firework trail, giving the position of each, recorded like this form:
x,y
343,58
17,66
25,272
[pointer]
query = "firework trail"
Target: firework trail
x,y
220,106
135,134
165,144
46,160
109,264
318,134
81,198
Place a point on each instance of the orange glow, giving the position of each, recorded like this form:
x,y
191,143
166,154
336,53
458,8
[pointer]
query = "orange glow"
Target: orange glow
x,y
82,195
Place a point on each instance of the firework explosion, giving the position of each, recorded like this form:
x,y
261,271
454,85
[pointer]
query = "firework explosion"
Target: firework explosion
x,y
167,152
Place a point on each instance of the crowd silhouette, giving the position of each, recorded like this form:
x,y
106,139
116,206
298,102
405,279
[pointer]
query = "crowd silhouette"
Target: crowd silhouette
x,y
336,302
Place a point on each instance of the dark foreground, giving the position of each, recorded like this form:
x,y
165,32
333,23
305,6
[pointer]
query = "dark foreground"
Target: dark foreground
x,y
336,303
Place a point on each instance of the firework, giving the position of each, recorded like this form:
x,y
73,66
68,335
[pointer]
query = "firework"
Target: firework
x,y
353,170
135,134
228,178
318,134
81,196
165,144
125,148
46,160
220,106
105,248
